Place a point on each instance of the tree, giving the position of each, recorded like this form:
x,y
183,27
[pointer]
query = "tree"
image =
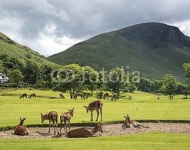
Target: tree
x,y
15,76
117,80
1,67
187,71
32,73
73,78
170,85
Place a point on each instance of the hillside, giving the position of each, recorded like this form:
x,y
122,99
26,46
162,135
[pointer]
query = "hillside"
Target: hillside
x,y
23,53
154,49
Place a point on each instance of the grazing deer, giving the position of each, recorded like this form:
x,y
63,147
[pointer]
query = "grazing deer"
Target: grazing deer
x,y
52,116
83,132
106,95
66,117
128,123
32,95
95,105
20,129
62,96
79,94
23,96
114,96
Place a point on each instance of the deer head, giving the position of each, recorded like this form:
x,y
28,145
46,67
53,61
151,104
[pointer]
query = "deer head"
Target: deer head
x,y
71,111
44,117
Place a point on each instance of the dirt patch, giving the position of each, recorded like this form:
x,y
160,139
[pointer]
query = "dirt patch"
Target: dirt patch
x,y
108,130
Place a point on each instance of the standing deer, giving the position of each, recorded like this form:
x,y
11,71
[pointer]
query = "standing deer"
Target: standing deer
x,y
20,129
95,105
62,96
23,96
114,96
32,95
128,123
66,117
79,94
106,95
83,132
52,116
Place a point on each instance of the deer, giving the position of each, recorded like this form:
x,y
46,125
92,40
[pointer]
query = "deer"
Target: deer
x,y
128,123
95,105
79,94
62,96
106,95
114,96
20,129
32,95
23,96
83,132
66,118
52,116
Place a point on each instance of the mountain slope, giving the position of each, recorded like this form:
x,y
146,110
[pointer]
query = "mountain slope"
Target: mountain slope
x,y
154,49
23,53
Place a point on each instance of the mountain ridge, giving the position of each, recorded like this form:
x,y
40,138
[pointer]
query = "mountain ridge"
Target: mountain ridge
x,y
154,49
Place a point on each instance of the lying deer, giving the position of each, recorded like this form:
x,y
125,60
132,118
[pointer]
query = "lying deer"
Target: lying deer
x,y
20,129
128,123
79,94
94,105
66,118
32,95
52,116
23,96
61,96
83,132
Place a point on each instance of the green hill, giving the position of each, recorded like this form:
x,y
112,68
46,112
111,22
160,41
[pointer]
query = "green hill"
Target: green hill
x,y
154,49
21,52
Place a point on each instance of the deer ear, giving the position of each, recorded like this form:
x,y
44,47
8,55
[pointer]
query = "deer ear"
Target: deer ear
x,y
125,116
73,108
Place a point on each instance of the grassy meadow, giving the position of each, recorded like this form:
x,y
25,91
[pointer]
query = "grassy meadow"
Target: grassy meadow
x,y
142,107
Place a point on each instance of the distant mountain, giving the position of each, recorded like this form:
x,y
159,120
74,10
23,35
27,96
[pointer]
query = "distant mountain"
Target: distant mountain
x,y
23,53
154,49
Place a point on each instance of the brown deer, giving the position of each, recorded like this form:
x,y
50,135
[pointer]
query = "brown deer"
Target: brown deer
x,y
23,96
52,116
128,123
79,94
95,105
62,96
66,118
106,95
32,95
20,129
114,96
83,132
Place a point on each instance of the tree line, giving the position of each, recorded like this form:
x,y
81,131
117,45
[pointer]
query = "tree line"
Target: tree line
x,y
76,78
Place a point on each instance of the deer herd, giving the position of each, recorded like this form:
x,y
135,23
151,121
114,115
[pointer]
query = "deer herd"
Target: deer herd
x,y
65,117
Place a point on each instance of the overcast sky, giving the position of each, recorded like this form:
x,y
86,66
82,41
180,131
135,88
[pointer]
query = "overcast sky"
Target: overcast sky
x,y
51,26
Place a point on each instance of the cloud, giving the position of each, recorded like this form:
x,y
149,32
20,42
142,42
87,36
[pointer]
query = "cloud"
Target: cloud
x,y
60,24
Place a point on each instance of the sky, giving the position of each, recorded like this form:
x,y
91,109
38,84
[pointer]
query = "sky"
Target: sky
x,y
52,26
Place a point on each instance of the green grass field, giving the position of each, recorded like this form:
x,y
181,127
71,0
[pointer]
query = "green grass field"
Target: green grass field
x,y
142,107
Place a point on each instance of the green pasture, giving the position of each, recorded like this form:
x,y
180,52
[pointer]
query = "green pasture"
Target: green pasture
x,y
142,107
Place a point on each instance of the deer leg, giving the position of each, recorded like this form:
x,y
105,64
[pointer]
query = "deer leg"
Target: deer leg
x,y
60,125
49,126
91,119
101,113
97,114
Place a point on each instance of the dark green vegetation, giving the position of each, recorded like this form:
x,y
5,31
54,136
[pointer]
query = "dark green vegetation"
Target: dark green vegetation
x,y
22,65
154,49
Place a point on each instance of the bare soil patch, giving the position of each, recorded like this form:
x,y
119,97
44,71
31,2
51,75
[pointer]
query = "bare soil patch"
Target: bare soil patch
x,y
108,130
